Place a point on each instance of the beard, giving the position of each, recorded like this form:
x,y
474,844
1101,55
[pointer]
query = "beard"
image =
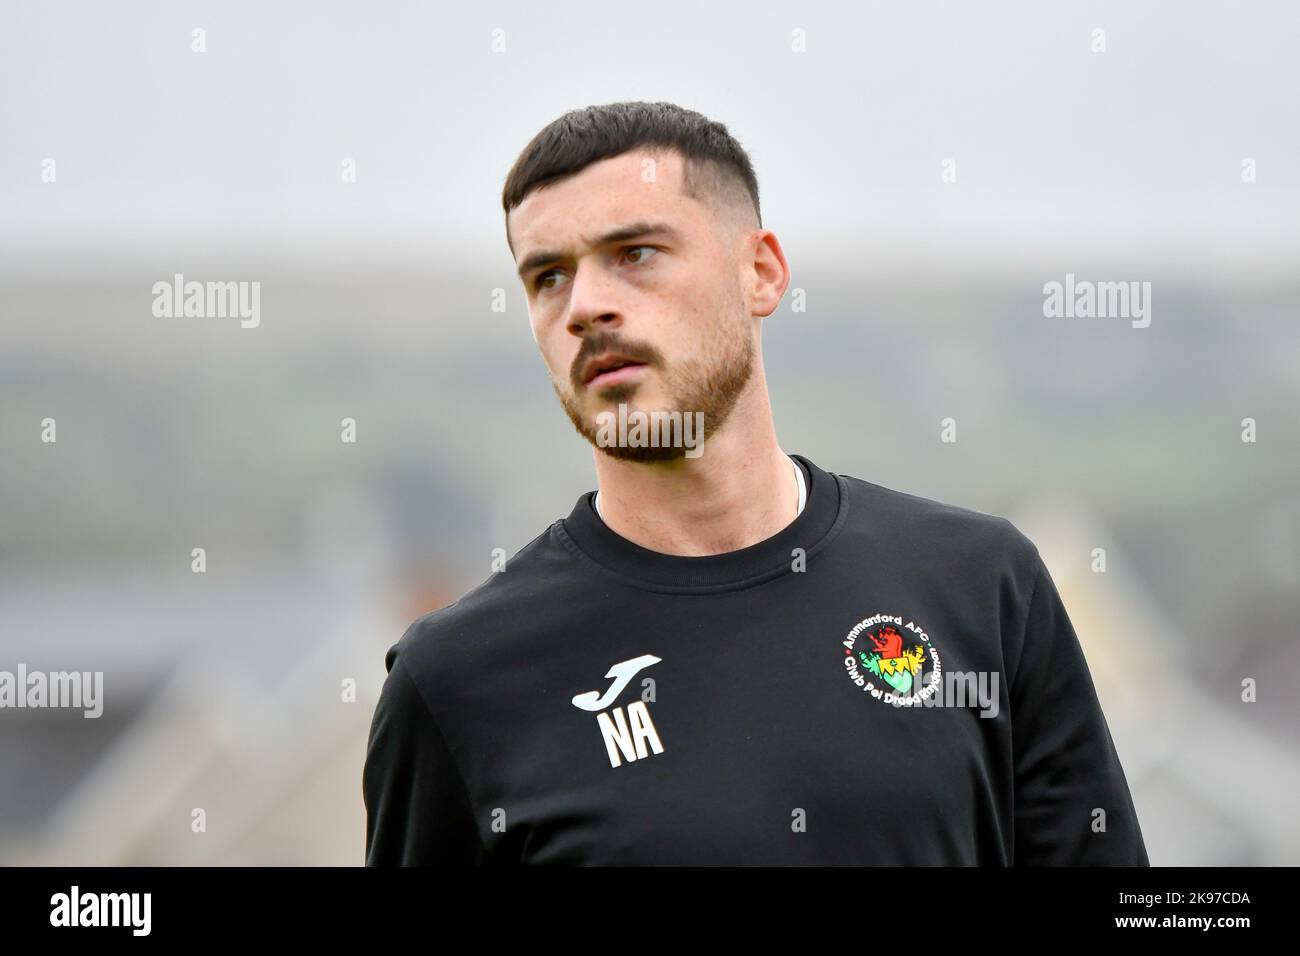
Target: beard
x,y
710,384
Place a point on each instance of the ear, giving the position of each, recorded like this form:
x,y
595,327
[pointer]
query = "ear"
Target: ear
x,y
771,273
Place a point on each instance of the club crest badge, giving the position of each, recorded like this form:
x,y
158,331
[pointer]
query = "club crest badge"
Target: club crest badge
x,y
893,660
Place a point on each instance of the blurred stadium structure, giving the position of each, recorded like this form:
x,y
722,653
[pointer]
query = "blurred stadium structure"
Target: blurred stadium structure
x,y
224,689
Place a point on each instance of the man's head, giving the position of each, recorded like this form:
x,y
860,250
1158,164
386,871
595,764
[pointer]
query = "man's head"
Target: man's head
x,y
638,237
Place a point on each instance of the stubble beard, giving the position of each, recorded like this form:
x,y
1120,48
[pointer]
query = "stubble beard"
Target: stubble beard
x,y
710,385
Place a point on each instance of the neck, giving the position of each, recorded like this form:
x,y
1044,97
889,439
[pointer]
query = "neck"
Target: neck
x,y
739,491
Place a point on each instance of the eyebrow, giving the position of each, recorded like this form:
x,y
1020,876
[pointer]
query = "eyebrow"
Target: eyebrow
x,y
636,230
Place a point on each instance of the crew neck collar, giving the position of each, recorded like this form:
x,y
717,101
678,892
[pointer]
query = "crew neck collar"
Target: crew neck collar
x,y
824,512
799,477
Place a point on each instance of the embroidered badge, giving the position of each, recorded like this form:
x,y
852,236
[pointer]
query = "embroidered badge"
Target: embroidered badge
x,y
893,661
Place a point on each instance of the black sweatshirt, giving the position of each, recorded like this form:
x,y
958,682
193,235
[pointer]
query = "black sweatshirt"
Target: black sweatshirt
x,y
792,702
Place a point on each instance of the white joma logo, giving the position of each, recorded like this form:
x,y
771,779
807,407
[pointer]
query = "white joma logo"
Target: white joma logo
x,y
626,735
622,674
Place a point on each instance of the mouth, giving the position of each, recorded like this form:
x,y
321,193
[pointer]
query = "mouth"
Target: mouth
x,y
611,370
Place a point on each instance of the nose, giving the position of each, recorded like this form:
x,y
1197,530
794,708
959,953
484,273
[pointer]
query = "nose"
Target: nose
x,y
580,326
591,307
585,327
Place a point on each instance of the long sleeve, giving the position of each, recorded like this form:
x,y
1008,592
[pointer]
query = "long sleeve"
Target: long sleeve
x,y
1066,765
418,812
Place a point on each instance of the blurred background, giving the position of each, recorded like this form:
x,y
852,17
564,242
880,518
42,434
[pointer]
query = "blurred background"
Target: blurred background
x,y
1171,156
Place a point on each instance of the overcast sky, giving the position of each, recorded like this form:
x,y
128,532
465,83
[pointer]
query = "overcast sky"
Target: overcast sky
x,y
239,148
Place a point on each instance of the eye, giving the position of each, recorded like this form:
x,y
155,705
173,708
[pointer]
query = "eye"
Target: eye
x,y
540,281
634,254
642,258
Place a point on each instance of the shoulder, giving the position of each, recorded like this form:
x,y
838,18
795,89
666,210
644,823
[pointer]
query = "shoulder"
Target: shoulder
x,y
894,519
449,642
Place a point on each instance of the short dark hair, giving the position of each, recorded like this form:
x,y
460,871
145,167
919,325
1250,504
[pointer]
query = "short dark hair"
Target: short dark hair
x,y
716,166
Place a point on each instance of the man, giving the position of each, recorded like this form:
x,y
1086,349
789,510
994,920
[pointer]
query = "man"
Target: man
x,y
726,655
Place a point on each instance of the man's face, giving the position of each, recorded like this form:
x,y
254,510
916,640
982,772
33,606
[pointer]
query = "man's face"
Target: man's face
x,y
667,300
